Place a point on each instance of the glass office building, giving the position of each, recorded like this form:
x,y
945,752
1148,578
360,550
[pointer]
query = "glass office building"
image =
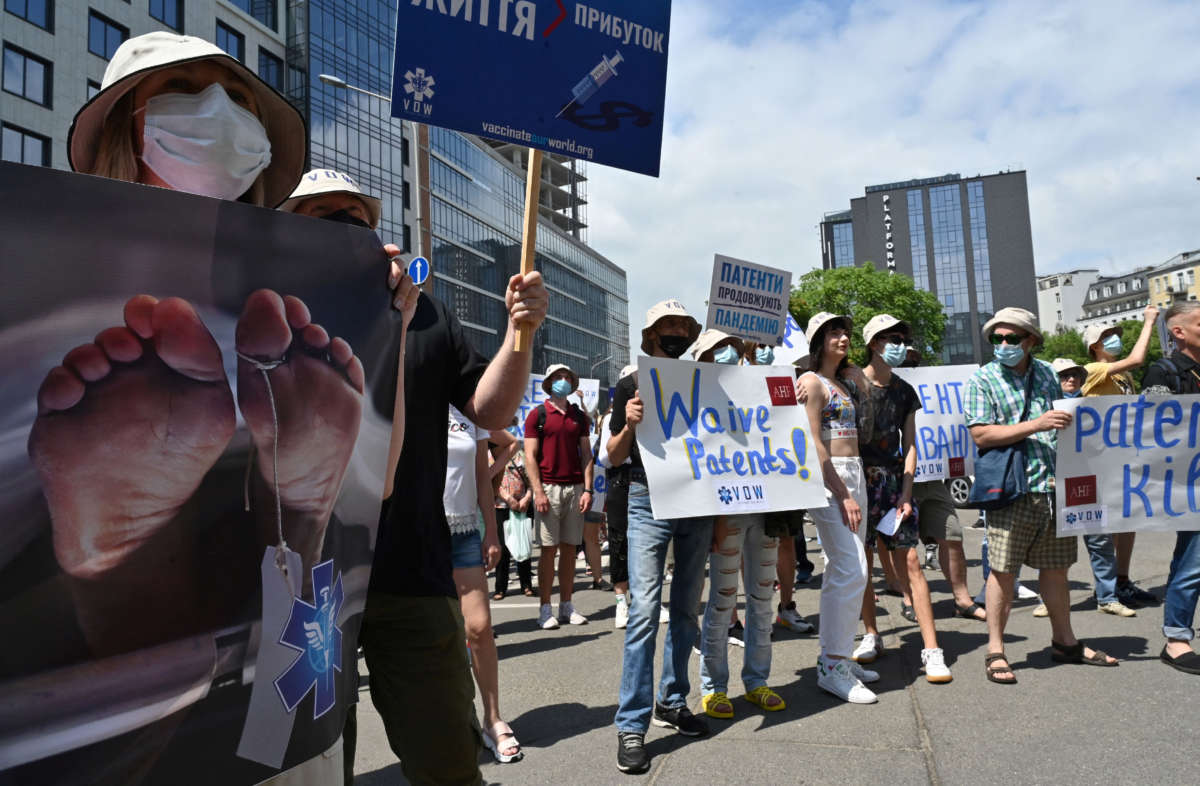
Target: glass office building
x,y
475,198
951,235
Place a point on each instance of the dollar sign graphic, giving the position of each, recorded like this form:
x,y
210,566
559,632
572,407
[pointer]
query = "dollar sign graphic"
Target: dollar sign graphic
x,y
609,116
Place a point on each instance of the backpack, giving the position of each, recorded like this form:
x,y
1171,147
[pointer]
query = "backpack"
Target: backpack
x,y
540,424
1171,371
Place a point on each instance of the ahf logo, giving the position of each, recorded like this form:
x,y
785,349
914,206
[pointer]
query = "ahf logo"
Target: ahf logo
x,y
313,632
418,86
1081,490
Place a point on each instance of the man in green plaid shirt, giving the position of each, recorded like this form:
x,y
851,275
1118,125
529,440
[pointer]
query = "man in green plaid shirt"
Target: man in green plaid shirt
x,y
1023,533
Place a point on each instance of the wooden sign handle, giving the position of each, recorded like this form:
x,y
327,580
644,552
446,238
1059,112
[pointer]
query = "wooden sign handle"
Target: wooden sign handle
x,y
533,190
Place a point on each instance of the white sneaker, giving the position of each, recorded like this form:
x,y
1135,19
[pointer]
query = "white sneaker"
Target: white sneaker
x,y
622,613
567,613
934,661
1024,593
546,619
834,676
791,619
863,675
868,649
664,615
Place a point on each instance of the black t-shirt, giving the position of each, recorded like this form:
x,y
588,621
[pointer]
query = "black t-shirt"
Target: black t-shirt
x,y
626,388
1186,379
891,404
412,549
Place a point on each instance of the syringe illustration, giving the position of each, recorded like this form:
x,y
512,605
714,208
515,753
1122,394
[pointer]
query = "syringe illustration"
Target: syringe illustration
x,y
605,70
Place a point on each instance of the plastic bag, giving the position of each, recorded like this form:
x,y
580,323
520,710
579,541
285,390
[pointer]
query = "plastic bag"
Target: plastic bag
x,y
517,536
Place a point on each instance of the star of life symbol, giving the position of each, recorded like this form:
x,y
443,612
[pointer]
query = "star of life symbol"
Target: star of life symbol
x,y
1071,518
313,632
419,85
725,494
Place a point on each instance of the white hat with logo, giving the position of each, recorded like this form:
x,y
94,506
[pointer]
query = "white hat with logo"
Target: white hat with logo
x,y
317,182
1062,365
667,308
138,57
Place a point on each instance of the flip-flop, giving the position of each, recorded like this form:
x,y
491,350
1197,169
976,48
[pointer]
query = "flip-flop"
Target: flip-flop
x,y
495,743
907,612
968,612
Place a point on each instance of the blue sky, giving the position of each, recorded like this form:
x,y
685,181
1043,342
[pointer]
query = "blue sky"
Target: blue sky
x,y
780,111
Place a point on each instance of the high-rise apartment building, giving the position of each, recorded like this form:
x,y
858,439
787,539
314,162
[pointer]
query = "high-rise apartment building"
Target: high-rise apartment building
x,y
967,240
1061,297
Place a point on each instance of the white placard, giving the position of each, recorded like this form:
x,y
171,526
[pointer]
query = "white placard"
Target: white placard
x,y
749,300
723,440
1128,464
794,345
944,445
534,395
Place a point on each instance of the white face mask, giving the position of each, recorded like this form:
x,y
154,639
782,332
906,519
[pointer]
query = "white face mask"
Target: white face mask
x,y
204,143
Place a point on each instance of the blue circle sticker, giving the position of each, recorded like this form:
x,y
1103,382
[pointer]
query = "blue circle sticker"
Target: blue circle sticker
x,y
418,270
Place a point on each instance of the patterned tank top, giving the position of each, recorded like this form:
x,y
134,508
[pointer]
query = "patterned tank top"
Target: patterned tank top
x,y
838,418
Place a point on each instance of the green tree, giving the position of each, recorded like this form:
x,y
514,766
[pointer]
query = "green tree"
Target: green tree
x,y
863,292
1063,344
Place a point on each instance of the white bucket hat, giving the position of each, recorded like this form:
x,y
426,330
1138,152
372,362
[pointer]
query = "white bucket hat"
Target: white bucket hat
x,y
1093,333
630,369
667,308
1061,365
819,320
710,339
882,322
1017,317
317,182
550,372
140,56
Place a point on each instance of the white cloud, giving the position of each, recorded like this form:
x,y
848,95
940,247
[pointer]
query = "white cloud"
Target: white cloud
x,y
789,110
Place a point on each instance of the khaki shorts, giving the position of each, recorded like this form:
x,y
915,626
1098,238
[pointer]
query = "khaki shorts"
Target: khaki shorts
x,y
563,523
1024,534
936,512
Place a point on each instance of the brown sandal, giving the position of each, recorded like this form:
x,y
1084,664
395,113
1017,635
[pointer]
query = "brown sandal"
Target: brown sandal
x,y
1061,653
992,671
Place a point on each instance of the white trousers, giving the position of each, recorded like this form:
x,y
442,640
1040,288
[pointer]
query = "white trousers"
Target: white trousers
x,y
845,575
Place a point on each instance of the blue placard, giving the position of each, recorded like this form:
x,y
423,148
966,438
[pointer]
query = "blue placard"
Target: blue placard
x,y
581,80
418,270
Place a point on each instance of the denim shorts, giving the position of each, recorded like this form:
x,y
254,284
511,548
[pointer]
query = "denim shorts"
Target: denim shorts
x,y
466,551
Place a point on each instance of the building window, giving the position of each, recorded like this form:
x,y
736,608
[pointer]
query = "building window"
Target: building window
x,y
262,10
270,69
1191,278
24,147
169,12
1120,287
404,152
980,258
950,272
1057,297
104,35
35,12
231,41
1108,291
916,239
407,239
93,87
27,76
407,200
843,244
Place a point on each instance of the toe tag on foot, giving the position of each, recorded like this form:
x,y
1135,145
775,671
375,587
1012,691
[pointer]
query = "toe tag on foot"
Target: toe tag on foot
x,y
265,366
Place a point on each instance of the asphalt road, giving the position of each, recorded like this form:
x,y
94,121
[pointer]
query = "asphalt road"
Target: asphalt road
x,y
1061,724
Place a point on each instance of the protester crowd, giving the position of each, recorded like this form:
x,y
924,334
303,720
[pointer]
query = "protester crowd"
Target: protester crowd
x,y
427,625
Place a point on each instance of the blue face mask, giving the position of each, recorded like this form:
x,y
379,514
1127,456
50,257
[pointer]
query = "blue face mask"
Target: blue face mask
x,y
764,356
561,387
1112,345
726,355
894,354
1071,395
1008,354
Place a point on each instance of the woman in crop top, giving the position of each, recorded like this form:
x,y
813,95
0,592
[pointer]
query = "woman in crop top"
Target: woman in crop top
x,y
832,410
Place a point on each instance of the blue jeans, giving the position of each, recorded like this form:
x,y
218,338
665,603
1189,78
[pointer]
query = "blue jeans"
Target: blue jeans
x,y
746,543
1183,587
647,540
1104,566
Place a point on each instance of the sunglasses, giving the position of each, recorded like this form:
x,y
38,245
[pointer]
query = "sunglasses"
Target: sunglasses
x,y
895,338
1011,339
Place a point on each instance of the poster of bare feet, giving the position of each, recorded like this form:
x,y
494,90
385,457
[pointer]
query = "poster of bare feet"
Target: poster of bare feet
x,y
188,385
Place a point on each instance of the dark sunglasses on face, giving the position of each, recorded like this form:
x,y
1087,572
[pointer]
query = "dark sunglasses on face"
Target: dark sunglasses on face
x,y
895,338
1008,338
